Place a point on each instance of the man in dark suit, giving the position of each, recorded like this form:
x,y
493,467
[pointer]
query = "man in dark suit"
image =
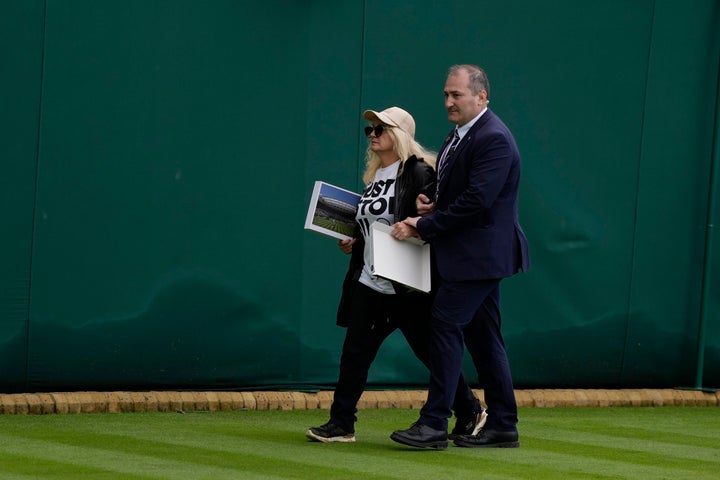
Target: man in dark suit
x,y
477,241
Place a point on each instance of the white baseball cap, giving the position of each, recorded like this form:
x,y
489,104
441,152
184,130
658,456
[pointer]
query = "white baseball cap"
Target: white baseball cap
x,y
393,116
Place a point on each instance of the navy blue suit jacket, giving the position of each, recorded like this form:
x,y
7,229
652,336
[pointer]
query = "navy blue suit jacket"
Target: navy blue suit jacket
x,y
474,229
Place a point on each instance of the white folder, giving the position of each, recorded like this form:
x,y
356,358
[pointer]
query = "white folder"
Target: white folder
x,y
403,261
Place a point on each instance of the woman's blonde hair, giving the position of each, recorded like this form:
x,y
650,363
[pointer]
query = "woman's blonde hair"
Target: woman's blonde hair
x,y
404,145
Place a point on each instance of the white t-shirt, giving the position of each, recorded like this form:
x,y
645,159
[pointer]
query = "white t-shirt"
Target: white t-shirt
x,y
377,205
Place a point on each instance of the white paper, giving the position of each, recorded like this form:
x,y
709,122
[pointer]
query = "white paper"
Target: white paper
x,y
403,261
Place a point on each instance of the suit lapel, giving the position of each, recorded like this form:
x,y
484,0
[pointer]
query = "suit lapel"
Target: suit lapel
x,y
448,139
465,141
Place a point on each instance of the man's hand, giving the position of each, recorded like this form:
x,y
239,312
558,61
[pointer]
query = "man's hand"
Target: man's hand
x,y
424,205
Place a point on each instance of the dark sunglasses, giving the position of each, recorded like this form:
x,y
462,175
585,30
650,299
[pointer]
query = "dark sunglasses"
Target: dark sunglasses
x,y
378,130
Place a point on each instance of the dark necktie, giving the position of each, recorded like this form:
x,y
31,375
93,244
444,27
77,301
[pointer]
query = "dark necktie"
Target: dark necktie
x,y
448,154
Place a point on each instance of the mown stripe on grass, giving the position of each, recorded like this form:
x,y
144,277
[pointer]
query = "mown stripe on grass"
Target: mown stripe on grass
x,y
619,461
257,451
120,462
226,457
680,449
348,460
29,466
569,443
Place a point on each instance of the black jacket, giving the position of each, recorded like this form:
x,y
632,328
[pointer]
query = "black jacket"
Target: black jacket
x,y
415,177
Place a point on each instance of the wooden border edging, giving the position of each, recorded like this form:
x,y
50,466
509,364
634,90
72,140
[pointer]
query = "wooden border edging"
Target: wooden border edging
x,y
189,401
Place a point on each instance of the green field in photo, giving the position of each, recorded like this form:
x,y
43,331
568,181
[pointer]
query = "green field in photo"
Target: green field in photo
x,y
333,225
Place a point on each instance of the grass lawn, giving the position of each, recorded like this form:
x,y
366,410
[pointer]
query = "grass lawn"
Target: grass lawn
x,y
556,443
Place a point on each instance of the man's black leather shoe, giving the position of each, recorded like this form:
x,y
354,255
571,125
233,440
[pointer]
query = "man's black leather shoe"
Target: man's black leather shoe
x,y
489,439
421,436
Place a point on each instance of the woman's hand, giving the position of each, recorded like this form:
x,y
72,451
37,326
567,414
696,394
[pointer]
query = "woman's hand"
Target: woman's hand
x,y
346,245
405,229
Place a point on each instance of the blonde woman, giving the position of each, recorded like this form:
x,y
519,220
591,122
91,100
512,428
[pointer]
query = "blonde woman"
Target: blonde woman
x,y
398,169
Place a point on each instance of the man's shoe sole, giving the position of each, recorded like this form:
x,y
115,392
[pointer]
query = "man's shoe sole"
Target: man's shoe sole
x,y
345,439
460,443
438,445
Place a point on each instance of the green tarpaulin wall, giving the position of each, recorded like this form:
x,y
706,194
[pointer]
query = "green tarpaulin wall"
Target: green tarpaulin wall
x,y
157,158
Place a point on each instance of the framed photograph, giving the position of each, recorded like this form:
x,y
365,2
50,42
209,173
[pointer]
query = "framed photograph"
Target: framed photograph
x,y
332,211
